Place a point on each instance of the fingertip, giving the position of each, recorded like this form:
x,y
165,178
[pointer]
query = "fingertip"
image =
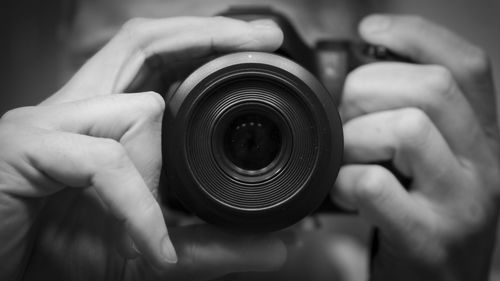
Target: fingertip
x,y
161,257
341,193
269,33
168,250
340,200
374,25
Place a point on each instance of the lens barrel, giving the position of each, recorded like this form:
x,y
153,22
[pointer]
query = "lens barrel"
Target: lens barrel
x,y
253,142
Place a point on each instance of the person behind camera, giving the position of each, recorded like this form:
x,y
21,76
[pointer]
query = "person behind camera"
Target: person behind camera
x,y
79,172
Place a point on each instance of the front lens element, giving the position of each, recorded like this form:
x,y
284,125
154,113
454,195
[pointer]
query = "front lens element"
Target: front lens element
x,y
252,141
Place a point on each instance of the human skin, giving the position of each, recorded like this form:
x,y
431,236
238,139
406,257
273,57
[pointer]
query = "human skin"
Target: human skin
x,y
79,172
435,120
406,113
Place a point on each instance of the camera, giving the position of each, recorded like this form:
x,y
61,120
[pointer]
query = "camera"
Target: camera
x,y
253,140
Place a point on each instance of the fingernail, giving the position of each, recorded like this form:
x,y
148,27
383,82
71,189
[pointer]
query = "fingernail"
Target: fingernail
x,y
376,23
168,250
263,24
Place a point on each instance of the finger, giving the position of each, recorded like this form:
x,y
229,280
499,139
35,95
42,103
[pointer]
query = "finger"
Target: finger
x,y
134,120
429,43
114,67
409,139
206,253
379,198
81,161
386,86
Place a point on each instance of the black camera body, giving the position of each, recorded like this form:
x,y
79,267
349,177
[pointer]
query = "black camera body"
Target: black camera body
x,y
253,140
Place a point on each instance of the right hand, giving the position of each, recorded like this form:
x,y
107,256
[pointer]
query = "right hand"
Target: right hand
x,y
79,173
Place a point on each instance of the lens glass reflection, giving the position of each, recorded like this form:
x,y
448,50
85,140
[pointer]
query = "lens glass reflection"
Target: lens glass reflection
x,y
252,141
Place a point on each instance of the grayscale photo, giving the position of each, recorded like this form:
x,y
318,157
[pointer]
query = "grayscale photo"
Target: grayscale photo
x,y
249,140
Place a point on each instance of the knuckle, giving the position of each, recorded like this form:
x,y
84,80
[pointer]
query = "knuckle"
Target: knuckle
x,y
438,82
134,24
416,21
110,153
412,125
370,185
132,29
477,62
17,114
152,103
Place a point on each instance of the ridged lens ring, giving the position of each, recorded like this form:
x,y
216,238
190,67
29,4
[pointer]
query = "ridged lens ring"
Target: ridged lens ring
x,y
237,95
254,140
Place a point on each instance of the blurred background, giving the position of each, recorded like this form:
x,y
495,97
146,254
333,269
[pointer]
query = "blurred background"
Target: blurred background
x,y
45,42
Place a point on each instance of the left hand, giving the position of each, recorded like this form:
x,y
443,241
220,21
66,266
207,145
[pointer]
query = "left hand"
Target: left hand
x,y
436,121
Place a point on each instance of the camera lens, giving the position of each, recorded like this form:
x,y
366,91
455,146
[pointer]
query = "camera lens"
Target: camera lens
x,y
252,141
255,139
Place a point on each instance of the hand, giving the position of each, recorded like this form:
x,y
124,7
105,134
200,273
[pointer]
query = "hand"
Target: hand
x,y
436,121
78,173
